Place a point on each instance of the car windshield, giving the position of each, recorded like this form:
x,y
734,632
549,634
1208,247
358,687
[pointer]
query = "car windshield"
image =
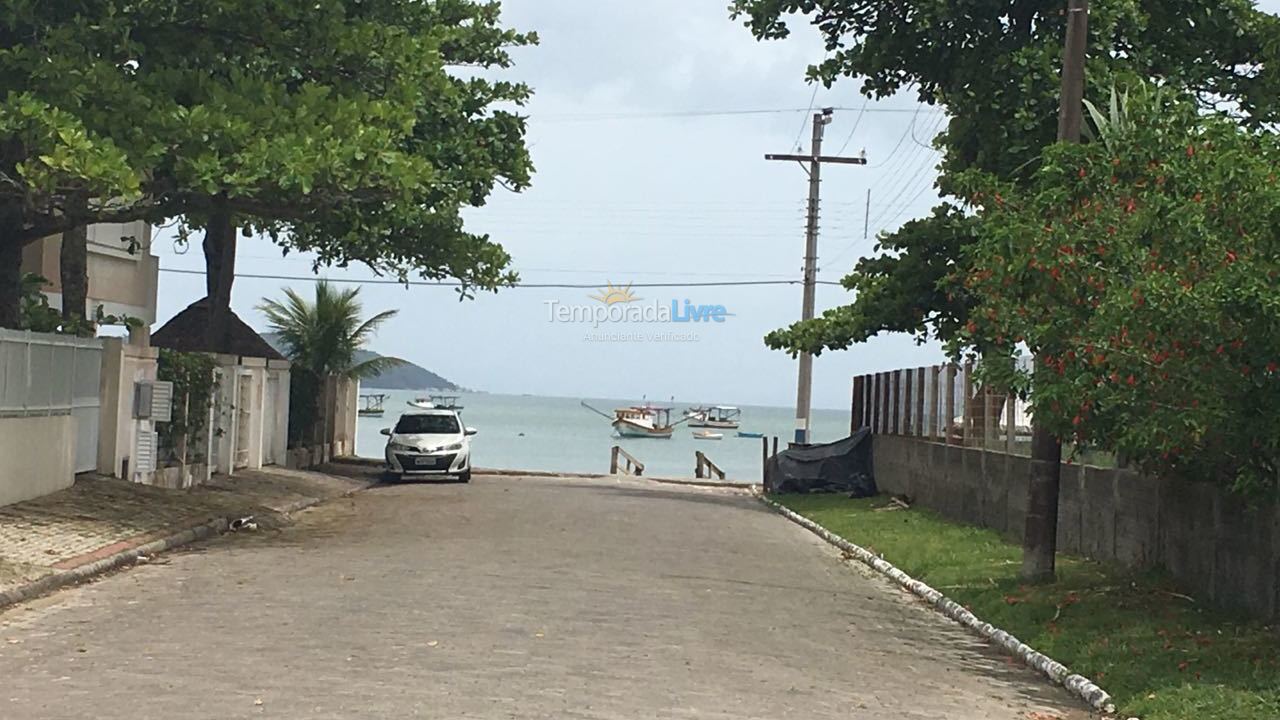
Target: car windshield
x,y
427,425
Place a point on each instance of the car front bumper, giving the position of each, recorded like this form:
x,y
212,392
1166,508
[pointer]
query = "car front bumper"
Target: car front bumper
x,y
440,464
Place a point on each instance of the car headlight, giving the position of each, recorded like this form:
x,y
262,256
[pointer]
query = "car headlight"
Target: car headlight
x,y
399,447
453,447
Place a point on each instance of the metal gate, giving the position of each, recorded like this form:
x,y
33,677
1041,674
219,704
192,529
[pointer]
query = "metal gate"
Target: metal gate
x,y
44,375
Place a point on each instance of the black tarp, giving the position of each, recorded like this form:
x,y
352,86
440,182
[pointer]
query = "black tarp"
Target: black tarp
x,y
843,466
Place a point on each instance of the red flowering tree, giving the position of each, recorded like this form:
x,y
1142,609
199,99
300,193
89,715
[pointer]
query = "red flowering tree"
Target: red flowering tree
x,y
1142,270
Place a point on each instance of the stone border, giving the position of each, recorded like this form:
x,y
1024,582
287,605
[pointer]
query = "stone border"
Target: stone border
x,y
82,573
1077,685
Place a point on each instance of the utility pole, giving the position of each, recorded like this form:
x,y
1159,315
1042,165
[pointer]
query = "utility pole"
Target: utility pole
x,y
1040,536
814,160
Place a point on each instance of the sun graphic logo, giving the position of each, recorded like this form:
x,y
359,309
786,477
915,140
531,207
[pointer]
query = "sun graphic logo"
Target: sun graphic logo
x,y
612,295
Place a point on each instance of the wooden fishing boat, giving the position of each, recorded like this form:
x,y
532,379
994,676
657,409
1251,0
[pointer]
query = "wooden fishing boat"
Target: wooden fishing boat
x,y
643,422
371,405
708,435
723,417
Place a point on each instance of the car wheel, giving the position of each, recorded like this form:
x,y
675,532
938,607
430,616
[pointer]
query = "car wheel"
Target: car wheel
x,y
390,476
465,477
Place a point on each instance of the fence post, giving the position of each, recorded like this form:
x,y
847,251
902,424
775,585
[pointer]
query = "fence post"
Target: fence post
x,y
855,414
876,393
764,459
966,436
950,404
613,460
988,418
1010,417
935,386
898,414
908,426
919,379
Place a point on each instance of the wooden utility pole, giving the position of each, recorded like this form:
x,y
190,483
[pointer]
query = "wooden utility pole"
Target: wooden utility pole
x,y
814,160
1040,538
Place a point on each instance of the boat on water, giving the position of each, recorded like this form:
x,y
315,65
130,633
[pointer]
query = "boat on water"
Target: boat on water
x,y
708,435
722,417
437,402
643,422
372,405
753,435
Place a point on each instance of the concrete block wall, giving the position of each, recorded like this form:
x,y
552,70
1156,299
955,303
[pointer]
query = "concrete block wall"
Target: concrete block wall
x,y
1215,544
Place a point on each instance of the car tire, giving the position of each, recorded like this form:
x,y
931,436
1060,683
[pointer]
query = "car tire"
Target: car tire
x,y
390,477
465,477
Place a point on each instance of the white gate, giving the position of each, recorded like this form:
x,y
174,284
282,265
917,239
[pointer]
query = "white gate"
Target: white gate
x,y
43,375
269,419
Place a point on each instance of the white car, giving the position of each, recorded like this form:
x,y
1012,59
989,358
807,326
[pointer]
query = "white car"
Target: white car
x,y
429,443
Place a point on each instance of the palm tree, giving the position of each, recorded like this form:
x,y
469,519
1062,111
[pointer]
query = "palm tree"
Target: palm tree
x,y
323,336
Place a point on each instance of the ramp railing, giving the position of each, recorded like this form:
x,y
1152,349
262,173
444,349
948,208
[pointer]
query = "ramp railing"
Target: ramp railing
x,y
621,459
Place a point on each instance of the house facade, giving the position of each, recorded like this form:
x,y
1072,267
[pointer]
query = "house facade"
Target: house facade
x,y
121,268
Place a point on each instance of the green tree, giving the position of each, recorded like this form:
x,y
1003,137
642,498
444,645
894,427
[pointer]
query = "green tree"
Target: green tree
x,y
1142,270
353,129
322,336
993,66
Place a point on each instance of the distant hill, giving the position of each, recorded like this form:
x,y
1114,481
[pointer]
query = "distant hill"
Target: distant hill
x,y
405,377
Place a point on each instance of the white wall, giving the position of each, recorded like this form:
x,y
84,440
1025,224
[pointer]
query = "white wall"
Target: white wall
x,y
37,456
123,365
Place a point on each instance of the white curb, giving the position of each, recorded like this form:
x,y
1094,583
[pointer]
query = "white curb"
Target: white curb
x,y
1077,685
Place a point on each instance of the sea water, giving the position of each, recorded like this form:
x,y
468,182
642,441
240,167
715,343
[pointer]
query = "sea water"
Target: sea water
x,y
523,432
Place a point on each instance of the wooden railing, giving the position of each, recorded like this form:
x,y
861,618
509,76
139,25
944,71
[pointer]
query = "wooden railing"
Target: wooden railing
x,y
705,468
622,459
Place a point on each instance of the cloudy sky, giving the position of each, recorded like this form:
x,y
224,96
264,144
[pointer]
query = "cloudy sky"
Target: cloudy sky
x,y
635,184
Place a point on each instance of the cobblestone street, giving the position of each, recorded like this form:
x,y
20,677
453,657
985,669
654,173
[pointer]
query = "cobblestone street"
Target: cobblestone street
x,y
507,598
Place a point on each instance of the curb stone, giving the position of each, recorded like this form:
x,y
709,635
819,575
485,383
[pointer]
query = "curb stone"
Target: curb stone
x,y
209,529
1077,685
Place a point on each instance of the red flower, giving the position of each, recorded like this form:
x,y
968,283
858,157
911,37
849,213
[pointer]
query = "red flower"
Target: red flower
x,y
1083,173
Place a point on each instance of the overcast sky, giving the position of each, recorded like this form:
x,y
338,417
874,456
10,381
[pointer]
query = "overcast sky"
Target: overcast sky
x,y
623,194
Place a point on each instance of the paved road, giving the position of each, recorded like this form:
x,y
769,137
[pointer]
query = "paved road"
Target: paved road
x,y
507,598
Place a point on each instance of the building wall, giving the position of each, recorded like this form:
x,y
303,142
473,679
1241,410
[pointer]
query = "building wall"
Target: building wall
x,y
1210,540
38,456
122,283
124,364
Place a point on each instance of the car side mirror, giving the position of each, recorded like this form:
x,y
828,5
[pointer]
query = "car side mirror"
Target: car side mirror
x,y
386,431
472,431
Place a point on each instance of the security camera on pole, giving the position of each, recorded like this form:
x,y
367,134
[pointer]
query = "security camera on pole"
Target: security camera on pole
x,y
812,164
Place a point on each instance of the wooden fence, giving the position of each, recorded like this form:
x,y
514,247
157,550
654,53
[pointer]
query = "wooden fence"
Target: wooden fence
x,y
942,403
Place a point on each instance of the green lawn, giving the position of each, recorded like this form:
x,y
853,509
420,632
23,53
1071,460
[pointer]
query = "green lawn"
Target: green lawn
x,y
1161,655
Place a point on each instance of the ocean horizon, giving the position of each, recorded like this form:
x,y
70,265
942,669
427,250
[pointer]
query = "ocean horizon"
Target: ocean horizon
x,y
557,434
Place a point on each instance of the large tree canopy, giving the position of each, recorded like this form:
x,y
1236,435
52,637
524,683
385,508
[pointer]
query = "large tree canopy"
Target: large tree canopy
x,y
993,65
354,129
1142,272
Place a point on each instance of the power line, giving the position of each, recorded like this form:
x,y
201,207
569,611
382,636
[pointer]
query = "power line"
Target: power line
x,y
856,122
456,284
587,117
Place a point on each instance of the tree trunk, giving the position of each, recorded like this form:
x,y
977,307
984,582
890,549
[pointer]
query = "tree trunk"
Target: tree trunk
x,y
10,283
73,267
10,268
1040,538
220,272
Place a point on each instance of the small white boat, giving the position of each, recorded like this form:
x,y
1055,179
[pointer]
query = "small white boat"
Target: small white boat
x,y
708,435
722,417
643,422
441,402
